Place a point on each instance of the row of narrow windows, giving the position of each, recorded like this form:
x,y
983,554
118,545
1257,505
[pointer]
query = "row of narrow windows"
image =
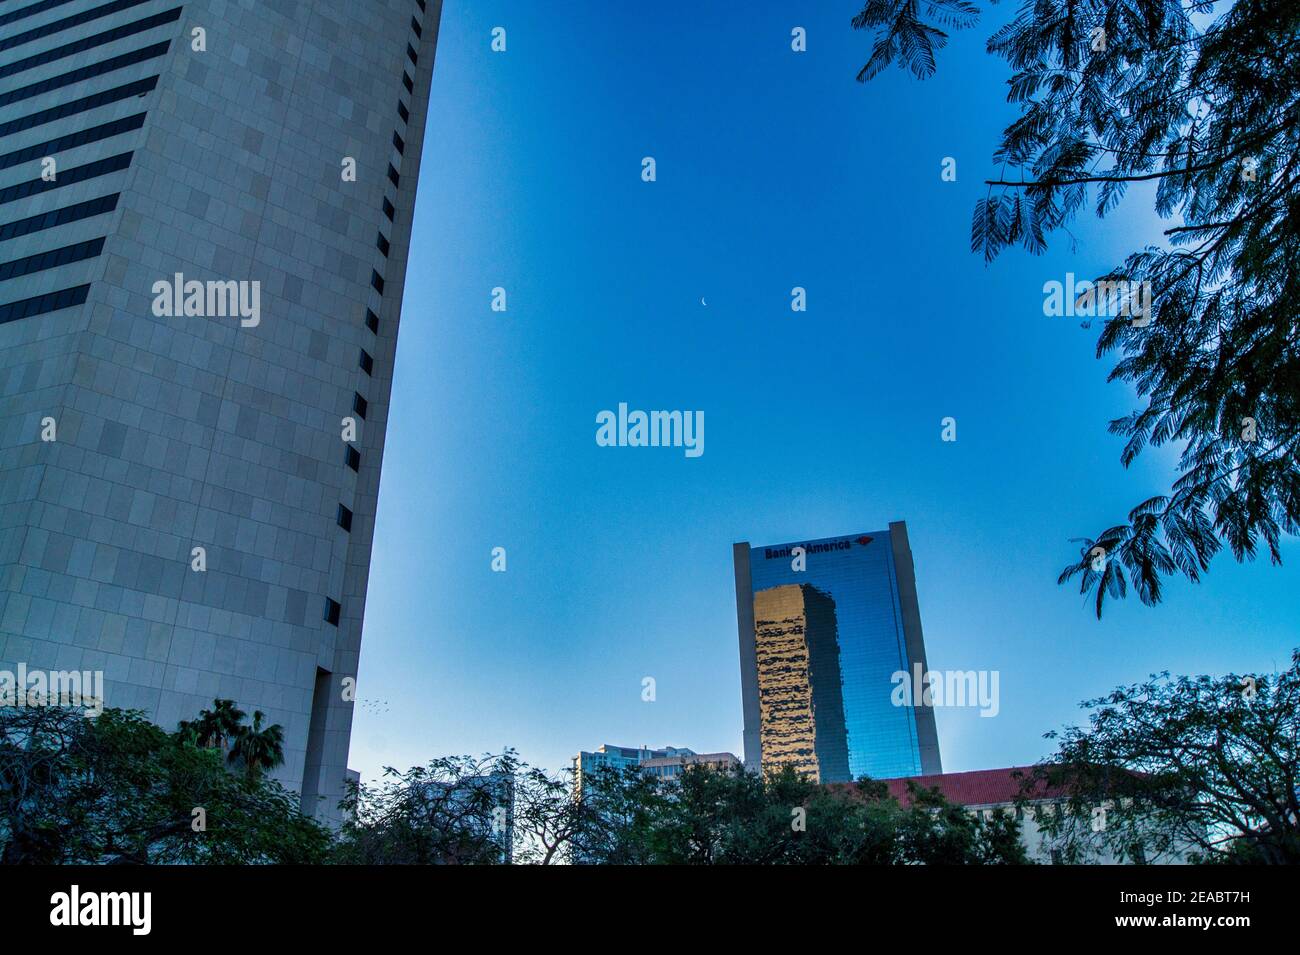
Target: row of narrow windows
x,y
40,304
67,23
71,108
31,11
57,217
80,251
51,259
81,137
85,73
68,254
76,295
351,456
90,42
91,170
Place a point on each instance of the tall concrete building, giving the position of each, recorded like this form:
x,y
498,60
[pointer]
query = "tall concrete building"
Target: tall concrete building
x,y
205,217
827,629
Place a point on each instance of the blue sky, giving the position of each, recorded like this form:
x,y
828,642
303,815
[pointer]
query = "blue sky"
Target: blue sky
x,y
775,169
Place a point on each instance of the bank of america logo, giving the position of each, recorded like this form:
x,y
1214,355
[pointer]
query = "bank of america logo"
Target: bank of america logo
x,y
844,543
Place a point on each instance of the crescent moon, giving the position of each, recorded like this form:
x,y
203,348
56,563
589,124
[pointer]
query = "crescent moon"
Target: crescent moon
x,y
704,303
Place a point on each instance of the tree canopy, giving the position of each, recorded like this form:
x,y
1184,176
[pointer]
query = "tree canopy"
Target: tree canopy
x,y
1203,768
494,809
119,789
1206,767
455,810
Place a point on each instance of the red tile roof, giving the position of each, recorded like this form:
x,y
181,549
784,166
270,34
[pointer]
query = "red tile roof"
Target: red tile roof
x,y
980,787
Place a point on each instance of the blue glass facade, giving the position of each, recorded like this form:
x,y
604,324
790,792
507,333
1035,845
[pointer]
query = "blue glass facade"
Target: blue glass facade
x,y
825,642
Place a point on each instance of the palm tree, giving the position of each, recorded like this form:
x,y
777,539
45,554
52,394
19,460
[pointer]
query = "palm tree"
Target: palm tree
x,y
257,747
187,731
216,726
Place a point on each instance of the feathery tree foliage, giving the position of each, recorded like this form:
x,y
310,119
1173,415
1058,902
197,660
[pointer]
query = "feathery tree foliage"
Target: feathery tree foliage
x,y
1202,99
1201,766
